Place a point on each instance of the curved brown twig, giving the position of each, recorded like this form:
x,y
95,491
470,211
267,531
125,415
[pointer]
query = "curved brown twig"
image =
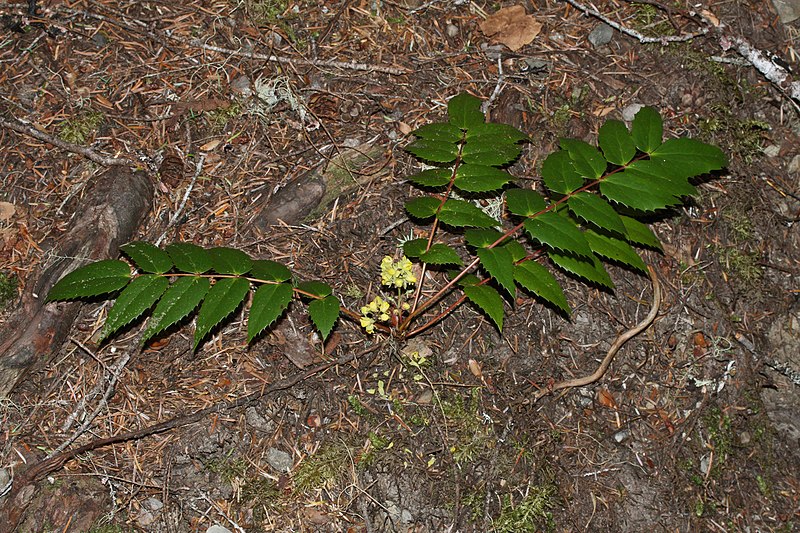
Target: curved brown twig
x,y
621,340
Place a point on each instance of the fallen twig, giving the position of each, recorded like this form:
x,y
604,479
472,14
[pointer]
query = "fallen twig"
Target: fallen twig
x,y
621,340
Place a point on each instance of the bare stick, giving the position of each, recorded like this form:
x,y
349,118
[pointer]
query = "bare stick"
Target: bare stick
x,y
775,73
621,340
88,153
177,214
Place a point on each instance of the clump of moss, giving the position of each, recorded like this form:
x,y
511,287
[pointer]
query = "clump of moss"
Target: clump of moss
x,y
528,515
219,118
323,468
79,128
8,290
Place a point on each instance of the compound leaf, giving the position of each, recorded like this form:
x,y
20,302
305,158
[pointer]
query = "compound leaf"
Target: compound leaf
x,y
535,278
594,209
464,111
131,303
559,232
266,270
647,129
524,202
414,248
500,265
189,257
433,177
639,233
324,313
588,161
441,254
269,301
422,207
590,269
616,142
223,298
559,173
439,131
615,250
480,178
489,300
179,300
94,279
459,213
148,257
230,261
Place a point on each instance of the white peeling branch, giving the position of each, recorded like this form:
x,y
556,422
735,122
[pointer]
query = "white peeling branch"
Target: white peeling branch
x,y
768,68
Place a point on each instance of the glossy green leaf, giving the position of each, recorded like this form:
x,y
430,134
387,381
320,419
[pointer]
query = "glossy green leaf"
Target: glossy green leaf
x,y
500,265
637,191
434,151
524,202
647,129
230,261
464,111
559,232
639,233
94,279
459,213
439,131
487,299
317,288
662,176
615,250
222,300
324,313
481,178
433,177
594,209
269,302
483,151
616,142
138,297
481,238
177,303
516,250
441,254
414,248
559,173
588,161
147,257
422,207
189,257
468,279
590,269
500,133
266,270
535,278
689,157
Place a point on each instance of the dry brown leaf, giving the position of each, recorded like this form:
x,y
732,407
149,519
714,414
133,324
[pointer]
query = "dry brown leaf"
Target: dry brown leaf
x,y
7,210
606,399
512,27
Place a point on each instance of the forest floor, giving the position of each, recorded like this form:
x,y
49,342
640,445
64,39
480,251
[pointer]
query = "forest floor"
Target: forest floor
x,y
691,429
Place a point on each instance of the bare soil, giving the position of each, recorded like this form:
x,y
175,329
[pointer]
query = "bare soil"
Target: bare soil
x,y
692,428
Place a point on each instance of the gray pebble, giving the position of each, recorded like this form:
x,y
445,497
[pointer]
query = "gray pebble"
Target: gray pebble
x,y
601,35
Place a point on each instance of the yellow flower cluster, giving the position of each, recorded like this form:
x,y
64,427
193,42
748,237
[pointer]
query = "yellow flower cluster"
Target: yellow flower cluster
x,y
376,311
397,274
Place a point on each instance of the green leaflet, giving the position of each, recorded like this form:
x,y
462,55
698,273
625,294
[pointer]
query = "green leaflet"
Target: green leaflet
x,y
138,297
317,288
615,250
587,160
93,279
189,257
324,313
432,178
559,232
266,270
487,151
480,178
178,302
590,269
230,261
269,302
500,265
662,177
441,254
500,133
637,191
535,278
559,173
434,151
639,233
223,298
422,207
148,257
616,142
597,211
686,158
414,248
439,131
524,202
459,214
516,250
481,238
487,299
465,111
647,129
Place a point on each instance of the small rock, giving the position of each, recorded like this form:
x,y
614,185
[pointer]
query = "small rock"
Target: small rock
x,y
630,111
257,421
241,85
622,434
794,165
744,438
601,35
218,529
279,460
772,150
452,30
